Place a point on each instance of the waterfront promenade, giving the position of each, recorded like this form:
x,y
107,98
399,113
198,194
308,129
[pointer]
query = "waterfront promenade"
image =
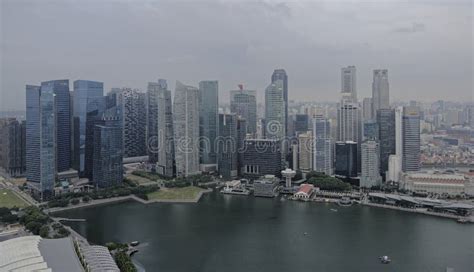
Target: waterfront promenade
x,y
97,202
419,211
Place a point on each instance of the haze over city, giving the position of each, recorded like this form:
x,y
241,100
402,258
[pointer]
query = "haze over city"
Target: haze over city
x,y
425,45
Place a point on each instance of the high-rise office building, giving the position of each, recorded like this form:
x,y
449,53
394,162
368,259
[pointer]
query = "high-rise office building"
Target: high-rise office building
x,y
12,146
370,174
323,146
160,146
208,123
411,139
301,123
93,117
86,96
346,159
349,123
134,123
367,109
108,151
305,151
226,146
241,136
261,157
280,74
349,82
380,91
41,127
386,137
244,104
186,129
371,130
348,120
275,111
60,89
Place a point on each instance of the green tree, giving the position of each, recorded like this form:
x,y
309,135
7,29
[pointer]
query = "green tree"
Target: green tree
x,y
44,231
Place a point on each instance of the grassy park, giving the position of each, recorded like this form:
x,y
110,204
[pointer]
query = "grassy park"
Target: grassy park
x,y
8,199
183,193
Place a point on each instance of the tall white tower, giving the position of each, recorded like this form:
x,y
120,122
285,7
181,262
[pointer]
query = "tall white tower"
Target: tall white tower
x,y
288,174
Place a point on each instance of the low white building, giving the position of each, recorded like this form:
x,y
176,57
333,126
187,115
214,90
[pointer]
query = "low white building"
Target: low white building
x,y
437,183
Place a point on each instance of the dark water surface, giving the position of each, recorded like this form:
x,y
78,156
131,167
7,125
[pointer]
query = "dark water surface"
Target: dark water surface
x,y
239,233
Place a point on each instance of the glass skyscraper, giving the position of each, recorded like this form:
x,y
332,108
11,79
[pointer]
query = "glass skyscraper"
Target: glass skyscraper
x,y
208,124
108,151
86,97
160,127
186,129
62,116
386,124
244,104
226,146
411,139
280,74
41,127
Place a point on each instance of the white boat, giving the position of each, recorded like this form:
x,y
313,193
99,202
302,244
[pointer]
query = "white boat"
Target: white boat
x,y
385,259
334,210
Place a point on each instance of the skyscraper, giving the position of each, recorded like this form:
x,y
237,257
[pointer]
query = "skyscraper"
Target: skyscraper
x,y
85,99
261,157
301,123
371,130
134,123
275,111
380,91
411,139
93,117
346,159
41,126
226,146
160,144
280,74
349,123
208,123
305,151
108,151
323,145
349,82
348,120
367,109
60,89
370,174
244,104
186,129
12,146
386,137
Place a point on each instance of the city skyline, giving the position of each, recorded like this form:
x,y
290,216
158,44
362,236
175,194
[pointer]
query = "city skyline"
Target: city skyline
x,y
401,38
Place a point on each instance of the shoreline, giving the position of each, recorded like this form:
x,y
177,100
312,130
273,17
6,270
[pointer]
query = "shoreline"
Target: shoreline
x,y
119,199
443,215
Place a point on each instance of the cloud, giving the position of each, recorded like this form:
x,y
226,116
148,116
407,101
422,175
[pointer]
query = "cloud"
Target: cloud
x,y
415,27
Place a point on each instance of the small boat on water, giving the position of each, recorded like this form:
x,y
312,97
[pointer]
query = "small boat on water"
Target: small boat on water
x,y
134,243
384,259
462,220
334,210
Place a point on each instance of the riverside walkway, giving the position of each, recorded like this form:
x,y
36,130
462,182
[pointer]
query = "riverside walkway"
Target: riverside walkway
x,y
420,211
97,202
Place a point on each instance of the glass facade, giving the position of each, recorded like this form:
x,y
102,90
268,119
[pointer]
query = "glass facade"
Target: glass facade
x,y
60,89
86,97
208,126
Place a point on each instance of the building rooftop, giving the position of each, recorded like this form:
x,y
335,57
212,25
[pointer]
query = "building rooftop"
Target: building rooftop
x,y
32,253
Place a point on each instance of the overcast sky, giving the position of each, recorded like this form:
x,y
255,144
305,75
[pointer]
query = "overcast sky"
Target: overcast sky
x,y
427,46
